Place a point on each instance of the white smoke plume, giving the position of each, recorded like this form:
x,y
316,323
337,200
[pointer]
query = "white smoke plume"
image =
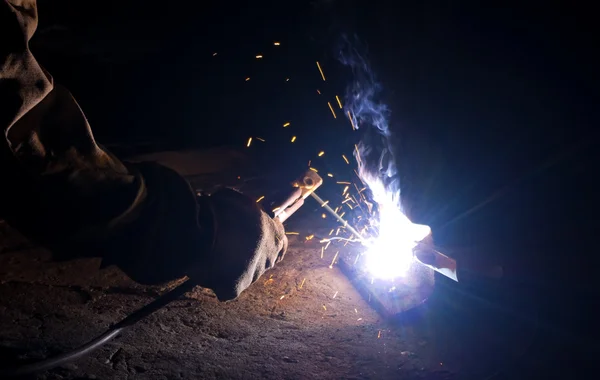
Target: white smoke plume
x,y
375,155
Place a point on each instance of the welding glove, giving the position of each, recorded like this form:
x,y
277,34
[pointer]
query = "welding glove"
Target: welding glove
x,y
245,243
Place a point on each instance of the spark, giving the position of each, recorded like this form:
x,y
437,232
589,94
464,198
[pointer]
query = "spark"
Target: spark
x,y
275,209
331,232
309,161
321,153
293,138
259,56
324,204
260,199
345,189
323,215
276,43
280,298
379,334
214,54
310,237
249,142
247,79
332,111
333,261
352,121
292,233
345,159
314,170
302,284
287,124
336,293
339,101
329,175
259,139
322,251
356,311
324,308
321,71
318,92
327,246
287,79
343,183
359,319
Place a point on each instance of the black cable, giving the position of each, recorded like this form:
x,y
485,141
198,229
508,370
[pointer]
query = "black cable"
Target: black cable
x,y
97,342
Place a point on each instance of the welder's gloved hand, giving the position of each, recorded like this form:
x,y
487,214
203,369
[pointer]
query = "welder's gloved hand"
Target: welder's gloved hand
x,y
246,243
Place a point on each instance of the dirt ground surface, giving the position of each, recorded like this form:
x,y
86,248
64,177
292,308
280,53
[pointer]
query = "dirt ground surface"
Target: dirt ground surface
x,y
301,320
287,325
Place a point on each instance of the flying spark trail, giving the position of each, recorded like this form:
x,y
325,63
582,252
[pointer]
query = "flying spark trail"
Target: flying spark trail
x,y
321,71
332,111
378,215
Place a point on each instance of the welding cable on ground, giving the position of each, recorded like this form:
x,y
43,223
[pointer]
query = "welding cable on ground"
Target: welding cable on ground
x,y
99,341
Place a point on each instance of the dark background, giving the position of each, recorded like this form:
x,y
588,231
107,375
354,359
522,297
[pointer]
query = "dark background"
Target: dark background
x,y
493,106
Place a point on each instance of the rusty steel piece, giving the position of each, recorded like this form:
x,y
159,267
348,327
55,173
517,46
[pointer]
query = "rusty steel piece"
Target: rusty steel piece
x,y
305,186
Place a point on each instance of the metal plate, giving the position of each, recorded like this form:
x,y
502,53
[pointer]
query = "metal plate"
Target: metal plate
x,y
390,298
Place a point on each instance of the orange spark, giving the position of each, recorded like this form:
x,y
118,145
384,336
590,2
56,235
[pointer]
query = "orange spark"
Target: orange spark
x,y
321,71
339,101
332,111
351,121
333,261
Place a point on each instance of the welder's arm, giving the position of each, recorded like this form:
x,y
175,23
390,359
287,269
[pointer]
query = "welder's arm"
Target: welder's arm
x,y
51,165
61,189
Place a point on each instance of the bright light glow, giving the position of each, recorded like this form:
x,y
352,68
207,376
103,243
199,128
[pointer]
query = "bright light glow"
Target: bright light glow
x,y
389,253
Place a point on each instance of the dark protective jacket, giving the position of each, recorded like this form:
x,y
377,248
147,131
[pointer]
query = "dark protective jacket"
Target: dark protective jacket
x,y
63,190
